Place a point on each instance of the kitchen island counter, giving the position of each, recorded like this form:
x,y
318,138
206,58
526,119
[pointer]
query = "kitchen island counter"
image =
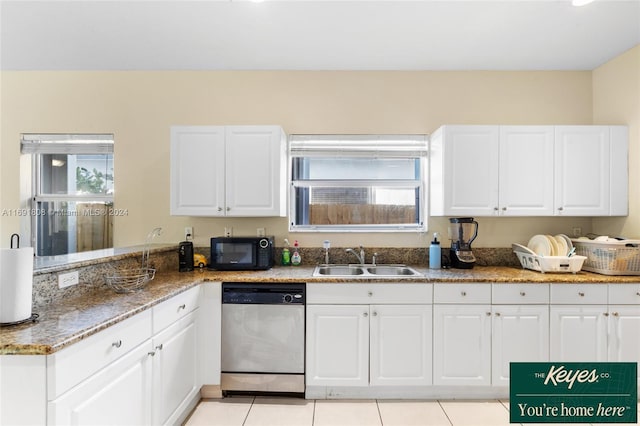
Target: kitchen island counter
x,y
70,320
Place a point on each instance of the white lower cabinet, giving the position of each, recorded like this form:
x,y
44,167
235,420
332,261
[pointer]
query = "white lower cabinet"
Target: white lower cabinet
x,y
175,381
479,329
578,333
462,344
578,323
337,345
116,395
381,338
519,334
142,371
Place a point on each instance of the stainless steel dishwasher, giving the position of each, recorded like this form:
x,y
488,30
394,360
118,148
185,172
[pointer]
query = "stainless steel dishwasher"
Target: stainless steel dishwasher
x,y
263,337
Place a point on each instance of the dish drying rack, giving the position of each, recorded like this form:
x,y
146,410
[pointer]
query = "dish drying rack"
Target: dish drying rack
x,y
530,260
130,280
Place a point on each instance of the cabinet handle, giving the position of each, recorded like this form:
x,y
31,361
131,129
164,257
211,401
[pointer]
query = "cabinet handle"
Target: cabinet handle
x,y
219,209
615,314
488,314
152,353
560,209
581,294
365,314
159,347
370,293
522,293
638,293
606,314
497,314
495,209
375,314
183,306
228,208
463,293
504,209
117,343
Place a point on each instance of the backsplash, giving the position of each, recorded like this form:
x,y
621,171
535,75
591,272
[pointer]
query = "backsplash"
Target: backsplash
x,y
92,274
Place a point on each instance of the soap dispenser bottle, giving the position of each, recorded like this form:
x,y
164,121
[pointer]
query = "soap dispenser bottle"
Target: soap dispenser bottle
x,y
295,257
286,255
435,253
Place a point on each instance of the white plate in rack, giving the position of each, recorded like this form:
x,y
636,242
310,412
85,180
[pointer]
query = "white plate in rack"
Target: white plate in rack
x,y
563,247
541,245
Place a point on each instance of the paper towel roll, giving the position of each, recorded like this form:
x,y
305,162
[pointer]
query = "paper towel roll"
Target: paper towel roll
x,y
16,284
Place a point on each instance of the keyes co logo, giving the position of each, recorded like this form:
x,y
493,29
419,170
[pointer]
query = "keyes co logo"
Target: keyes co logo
x,y
594,392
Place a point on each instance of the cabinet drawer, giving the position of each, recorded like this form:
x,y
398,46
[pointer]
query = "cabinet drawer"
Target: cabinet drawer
x,y
522,294
462,293
71,365
323,293
591,294
624,294
170,311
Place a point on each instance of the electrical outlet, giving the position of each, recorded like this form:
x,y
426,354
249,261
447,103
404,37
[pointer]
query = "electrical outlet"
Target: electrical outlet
x,y
260,232
576,231
68,279
228,231
188,233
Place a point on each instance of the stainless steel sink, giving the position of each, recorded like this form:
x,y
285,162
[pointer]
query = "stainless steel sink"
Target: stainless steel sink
x,y
365,271
338,270
392,270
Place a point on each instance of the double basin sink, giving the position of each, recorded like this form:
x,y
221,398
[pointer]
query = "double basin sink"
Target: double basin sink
x,y
365,271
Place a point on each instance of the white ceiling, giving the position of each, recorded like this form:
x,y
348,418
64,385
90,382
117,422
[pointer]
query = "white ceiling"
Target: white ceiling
x,y
315,35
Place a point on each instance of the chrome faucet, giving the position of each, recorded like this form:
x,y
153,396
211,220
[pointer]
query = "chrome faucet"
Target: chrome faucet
x,y
360,256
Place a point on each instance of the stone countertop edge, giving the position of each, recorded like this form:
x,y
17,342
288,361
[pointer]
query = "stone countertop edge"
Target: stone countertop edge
x,y
66,322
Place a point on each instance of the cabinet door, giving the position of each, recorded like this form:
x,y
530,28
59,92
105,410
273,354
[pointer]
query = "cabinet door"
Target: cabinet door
x,y
464,171
174,371
255,171
526,170
461,344
582,169
116,395
400,347
624,332
520,334
578,333
197,170
337,345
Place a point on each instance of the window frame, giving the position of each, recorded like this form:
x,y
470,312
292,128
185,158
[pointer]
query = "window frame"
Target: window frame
x,y
39,145
413,146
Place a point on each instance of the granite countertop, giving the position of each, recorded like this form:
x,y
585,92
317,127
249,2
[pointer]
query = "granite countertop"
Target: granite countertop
x,y
70,320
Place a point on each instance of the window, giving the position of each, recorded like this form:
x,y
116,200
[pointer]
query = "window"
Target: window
x,y
72,192
357,183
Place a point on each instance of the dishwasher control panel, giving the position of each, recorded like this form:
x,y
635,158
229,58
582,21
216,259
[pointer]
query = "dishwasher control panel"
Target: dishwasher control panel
x,y
267,293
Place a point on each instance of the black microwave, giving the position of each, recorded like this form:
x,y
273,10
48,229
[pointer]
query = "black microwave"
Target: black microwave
x,y
242,253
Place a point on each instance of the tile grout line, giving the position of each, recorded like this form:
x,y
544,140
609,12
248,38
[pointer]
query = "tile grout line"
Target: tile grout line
x,y
445,413
248,411
313,415
379,413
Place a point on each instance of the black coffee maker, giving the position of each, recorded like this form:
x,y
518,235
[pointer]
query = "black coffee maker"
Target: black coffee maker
x,y
185,256
462,231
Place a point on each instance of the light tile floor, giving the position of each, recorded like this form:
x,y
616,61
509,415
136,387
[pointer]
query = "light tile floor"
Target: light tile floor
x,y
280,411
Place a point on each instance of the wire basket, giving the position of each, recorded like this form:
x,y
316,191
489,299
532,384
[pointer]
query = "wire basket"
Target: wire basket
x,y
610,257
130,280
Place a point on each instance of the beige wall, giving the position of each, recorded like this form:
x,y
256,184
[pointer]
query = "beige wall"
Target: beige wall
x,y
139,107
616,100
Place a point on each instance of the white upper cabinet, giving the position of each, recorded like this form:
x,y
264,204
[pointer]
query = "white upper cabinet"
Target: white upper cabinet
x,y
464,170
591,177
228,171
529,171
526,171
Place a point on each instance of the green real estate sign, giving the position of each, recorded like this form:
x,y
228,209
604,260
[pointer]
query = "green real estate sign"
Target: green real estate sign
x,y
573,392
